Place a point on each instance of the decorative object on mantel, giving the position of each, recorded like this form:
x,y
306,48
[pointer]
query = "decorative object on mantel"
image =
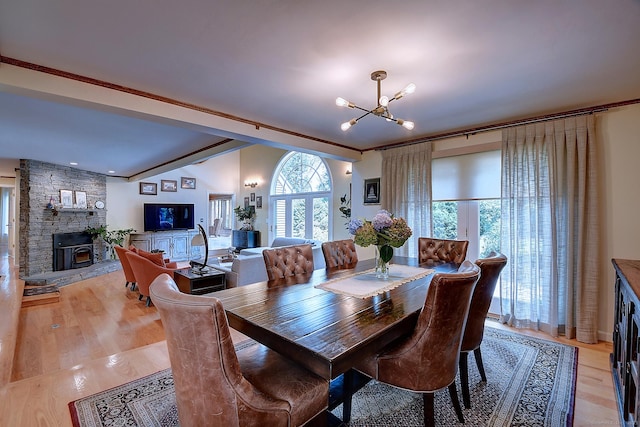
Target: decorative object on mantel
x,y
246,215
385,232
81,200
110,238
66,199
382,109
99,204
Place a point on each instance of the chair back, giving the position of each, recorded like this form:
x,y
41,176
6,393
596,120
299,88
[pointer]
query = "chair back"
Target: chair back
x,y
124,261
209,386
428,360
145,271
340,254
441,250
285,261
490,269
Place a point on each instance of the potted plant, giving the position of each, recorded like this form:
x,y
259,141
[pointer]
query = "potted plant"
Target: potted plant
x,y
245,215
109,237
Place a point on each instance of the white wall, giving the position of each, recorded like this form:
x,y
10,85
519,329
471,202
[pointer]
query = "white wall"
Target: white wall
x,y
216,175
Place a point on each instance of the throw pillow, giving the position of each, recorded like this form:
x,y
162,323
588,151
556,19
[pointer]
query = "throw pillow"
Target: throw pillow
x,y
156,258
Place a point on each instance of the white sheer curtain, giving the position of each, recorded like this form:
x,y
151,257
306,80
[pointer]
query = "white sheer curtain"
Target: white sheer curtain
x,y
406,190
550,227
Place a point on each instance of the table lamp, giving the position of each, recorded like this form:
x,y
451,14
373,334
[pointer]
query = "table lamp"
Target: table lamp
x,y
200,239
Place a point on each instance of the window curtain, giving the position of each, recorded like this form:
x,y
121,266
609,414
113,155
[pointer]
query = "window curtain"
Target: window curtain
x,y
550,227
405,190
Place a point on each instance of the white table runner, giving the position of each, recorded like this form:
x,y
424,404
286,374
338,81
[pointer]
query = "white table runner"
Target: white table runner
x,y
365,284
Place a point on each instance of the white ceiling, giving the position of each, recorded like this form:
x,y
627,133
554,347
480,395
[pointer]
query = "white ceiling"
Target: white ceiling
x,y
283,62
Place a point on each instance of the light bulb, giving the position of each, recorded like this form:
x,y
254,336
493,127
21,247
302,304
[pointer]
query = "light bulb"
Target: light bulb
x,y
410,88
384,100
341,102
346,125
406,124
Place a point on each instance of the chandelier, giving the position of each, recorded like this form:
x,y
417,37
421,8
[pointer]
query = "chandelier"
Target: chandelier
x,y
382,109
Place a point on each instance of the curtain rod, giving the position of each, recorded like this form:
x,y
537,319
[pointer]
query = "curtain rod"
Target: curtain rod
x,y
498,126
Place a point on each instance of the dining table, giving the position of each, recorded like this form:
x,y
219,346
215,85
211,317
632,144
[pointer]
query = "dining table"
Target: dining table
x,y
325,331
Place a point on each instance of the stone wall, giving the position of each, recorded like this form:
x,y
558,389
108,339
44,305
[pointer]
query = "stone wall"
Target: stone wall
x,y
39,182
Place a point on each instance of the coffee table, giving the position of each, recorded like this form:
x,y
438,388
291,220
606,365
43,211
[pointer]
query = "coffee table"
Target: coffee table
x,y
191,281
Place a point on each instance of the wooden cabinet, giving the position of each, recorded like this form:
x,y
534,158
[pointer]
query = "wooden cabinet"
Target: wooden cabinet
x,y
625,360
242,239
176,245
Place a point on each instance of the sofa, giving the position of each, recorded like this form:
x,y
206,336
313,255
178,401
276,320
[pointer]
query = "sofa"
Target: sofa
x,y
249,267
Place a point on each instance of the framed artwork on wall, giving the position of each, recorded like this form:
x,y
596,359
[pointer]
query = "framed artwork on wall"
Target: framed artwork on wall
x,y
150,188
188,183
372,191
168,185
246,202
259,202
81,200
66,198
253,197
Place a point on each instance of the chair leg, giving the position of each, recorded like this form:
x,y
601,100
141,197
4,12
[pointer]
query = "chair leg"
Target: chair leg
x,y
140,297
478,356
126,285
133,286
429,416
148,301
456,403
464,379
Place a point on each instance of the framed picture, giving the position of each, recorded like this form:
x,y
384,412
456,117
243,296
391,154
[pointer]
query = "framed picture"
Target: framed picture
x,y
246,202
253,197
188,183
372,191
81,200
66,198
168,185
259,202
150,188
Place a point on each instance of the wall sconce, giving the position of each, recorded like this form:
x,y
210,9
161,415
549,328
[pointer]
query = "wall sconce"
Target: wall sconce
x,y
251,184
348,172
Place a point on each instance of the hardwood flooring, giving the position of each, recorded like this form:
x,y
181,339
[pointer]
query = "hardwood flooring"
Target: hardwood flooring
x,y
99,336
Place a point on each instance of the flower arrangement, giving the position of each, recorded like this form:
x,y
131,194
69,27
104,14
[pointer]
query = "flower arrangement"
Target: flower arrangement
x,y
385,231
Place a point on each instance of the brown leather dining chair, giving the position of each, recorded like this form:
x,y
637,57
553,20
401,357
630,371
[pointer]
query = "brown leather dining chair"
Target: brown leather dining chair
x,y
215,385
427,360
441,250
340,254
490,269
285,261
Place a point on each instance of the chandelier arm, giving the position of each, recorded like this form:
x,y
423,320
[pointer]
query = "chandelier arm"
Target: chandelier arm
x,y
364,115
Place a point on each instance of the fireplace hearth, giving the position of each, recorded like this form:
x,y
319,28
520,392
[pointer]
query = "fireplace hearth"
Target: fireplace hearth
x,y
72,250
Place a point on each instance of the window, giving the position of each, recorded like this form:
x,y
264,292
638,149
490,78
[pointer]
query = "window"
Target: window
x,y
300,196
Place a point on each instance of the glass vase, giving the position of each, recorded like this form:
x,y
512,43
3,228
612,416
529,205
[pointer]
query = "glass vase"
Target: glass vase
x,y
382,266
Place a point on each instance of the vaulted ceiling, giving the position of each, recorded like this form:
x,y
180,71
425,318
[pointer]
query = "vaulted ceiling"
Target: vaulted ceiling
x,y
138,87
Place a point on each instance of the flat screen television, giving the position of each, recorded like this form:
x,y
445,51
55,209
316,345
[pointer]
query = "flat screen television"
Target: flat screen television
x,y
168,216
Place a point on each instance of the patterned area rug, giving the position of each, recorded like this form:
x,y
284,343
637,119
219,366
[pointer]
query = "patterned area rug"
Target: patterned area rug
x,y
531,382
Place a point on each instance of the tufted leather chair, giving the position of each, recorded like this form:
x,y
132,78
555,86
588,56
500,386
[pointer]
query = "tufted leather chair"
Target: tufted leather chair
x,y
441,250
285,261
145,271
490,269
217,386
126,267
340,254
427,360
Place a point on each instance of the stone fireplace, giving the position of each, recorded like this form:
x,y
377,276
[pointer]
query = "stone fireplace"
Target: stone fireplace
x,y
72,250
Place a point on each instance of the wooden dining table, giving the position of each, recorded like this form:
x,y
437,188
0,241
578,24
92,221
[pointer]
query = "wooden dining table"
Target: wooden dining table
x,y
321,330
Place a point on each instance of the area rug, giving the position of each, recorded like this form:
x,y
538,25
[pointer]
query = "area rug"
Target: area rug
x,y
531,382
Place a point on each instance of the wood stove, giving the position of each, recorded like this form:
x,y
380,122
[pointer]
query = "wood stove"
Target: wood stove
x,y
72,250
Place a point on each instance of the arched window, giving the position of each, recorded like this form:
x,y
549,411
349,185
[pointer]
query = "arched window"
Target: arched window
x,y
300,196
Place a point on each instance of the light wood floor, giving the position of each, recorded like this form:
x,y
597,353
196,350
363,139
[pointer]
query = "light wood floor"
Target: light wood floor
x,y
99,336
